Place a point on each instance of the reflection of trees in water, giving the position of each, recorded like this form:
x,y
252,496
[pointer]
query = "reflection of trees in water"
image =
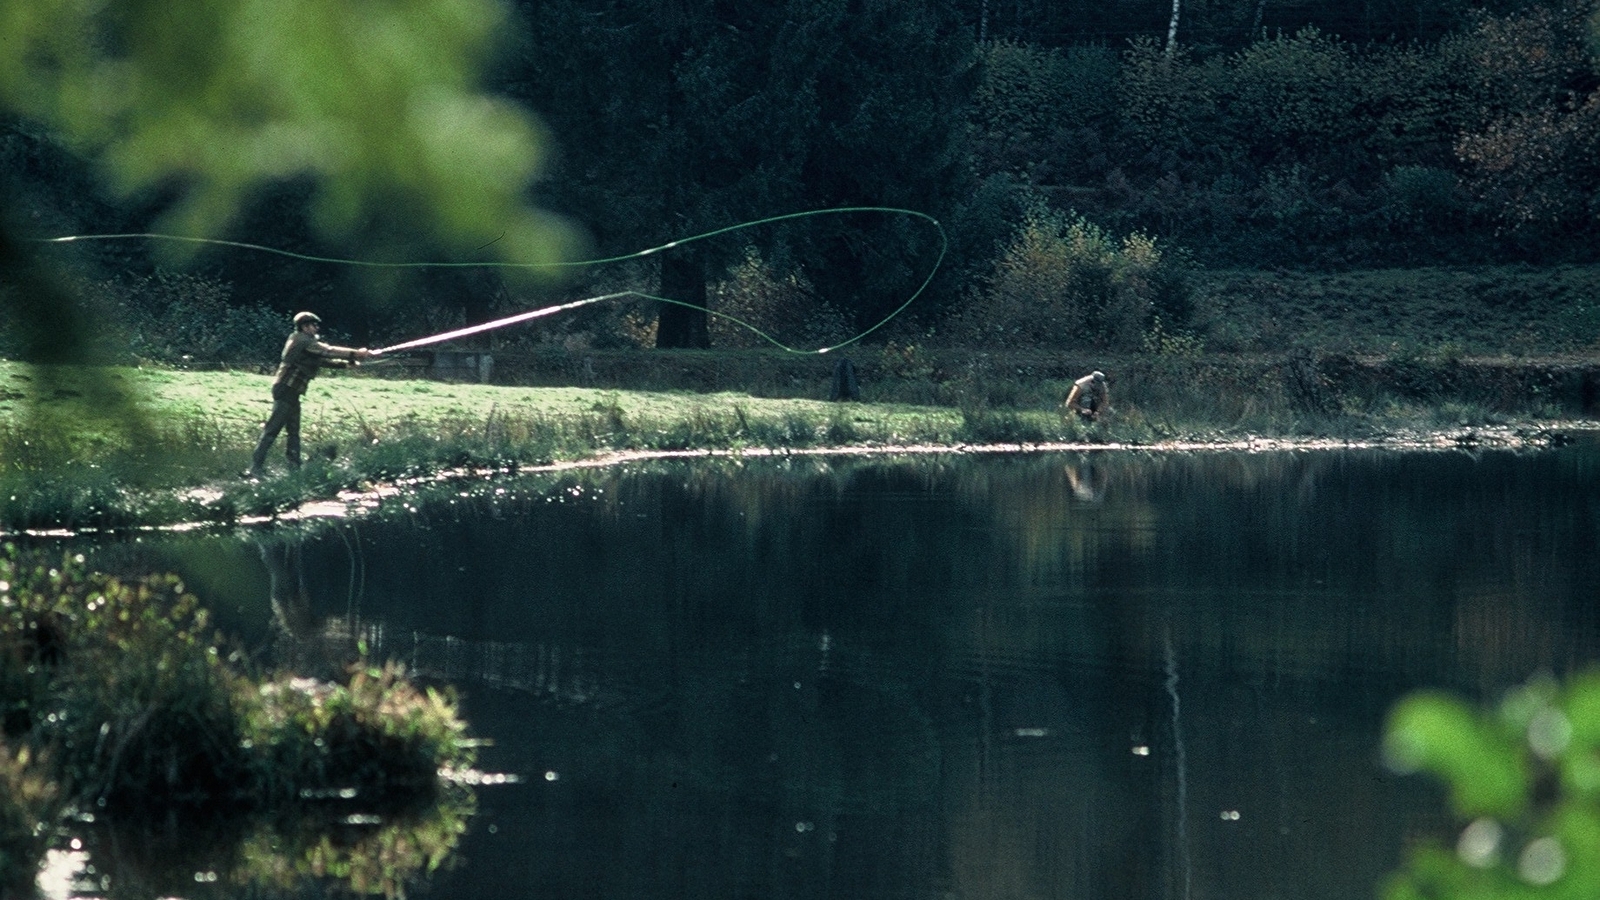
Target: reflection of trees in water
x,y
547,671
1323,530
1002,633
1282,575
314,850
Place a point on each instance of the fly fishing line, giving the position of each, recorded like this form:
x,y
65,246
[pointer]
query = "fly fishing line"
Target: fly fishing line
x,y
944,245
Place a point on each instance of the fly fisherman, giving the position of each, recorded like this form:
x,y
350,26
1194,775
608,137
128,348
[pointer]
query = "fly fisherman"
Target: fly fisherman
x,y
303,357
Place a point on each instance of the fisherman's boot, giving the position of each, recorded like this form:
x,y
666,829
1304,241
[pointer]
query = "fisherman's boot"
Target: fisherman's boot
x,y
258,460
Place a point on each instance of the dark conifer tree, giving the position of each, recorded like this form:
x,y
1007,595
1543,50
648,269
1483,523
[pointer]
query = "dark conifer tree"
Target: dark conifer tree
x,y
678,117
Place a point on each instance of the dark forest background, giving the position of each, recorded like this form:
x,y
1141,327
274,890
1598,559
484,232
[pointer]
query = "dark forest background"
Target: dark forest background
x,y
1085,158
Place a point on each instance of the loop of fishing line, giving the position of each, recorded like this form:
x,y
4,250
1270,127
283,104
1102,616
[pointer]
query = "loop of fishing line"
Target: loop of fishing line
x,y
944,245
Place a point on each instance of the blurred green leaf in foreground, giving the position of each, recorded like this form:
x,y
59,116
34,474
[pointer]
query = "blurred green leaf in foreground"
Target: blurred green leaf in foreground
x,y
374,104
1523,779
377,101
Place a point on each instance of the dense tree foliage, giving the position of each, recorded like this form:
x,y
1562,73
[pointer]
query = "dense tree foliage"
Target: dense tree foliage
x,y
1536,153
1223,25
677,118
1305,148
1270,132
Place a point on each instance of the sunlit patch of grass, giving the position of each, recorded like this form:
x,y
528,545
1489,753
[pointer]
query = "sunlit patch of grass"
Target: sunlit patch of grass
x,y
358,431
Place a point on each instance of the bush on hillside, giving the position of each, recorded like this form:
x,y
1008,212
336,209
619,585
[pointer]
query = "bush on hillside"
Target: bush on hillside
x,y
756,299
185,318
1065,282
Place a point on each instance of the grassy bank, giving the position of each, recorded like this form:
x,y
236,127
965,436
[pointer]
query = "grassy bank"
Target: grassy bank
x,y
1270,353
1479,312
73,458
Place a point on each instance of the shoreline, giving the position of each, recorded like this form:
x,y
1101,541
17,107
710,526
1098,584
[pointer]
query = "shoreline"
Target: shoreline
x,y
358,503
78,464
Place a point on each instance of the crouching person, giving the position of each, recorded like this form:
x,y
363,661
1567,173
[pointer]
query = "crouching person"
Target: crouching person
x,y
1090,397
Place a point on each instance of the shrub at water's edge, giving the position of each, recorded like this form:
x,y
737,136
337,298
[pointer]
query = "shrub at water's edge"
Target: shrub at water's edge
x,y
121,704
28,802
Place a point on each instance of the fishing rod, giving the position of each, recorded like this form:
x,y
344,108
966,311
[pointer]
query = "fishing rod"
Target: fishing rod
x,y
497,323
944,246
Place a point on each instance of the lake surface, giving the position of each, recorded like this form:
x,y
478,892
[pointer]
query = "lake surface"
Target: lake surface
x,y
1037,676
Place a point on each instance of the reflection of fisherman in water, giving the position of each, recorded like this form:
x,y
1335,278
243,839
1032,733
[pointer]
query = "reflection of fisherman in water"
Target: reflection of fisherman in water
x,y
1087,480
302,642
322,647
291,602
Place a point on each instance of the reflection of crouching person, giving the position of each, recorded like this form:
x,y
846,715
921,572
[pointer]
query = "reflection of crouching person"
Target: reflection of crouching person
x,y
1089,397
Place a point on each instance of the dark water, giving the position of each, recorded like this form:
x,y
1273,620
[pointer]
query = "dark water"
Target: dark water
x,y
1087,676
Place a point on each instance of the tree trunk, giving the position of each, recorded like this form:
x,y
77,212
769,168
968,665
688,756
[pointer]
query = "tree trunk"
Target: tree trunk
x,y
1172,27
683,279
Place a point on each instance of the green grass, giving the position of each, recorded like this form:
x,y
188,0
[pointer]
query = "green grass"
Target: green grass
x,y
71,458
113,448
1490,311
223,411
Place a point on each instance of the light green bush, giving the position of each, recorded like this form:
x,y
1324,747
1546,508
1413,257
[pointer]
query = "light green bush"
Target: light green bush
x,y
756,298
1065,282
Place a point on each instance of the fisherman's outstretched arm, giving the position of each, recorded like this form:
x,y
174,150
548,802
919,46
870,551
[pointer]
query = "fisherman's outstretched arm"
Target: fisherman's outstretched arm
x,y
337,353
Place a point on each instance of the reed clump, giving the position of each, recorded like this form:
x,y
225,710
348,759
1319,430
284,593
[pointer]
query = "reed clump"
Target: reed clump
x,y
377,737
123,703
